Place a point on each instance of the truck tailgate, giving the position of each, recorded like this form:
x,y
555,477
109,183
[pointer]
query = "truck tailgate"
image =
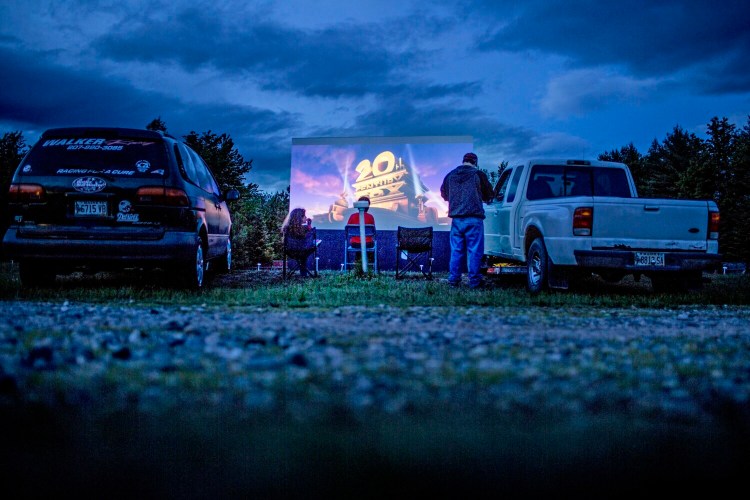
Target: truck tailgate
x,y
652,224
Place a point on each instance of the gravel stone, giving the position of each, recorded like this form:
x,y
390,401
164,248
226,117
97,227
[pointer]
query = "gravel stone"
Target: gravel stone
x,y
684,363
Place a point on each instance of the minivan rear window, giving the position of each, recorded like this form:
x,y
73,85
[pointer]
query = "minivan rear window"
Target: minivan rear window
x,y
118,157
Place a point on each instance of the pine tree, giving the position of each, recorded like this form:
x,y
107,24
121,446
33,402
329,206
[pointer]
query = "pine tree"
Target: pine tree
x,y
157,124
12,150
224,160
665,164
734,234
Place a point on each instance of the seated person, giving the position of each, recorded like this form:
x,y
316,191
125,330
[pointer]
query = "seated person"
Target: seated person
x,y
355,241
299,238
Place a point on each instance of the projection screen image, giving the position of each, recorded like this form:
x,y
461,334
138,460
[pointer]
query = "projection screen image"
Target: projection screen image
x,y
400,175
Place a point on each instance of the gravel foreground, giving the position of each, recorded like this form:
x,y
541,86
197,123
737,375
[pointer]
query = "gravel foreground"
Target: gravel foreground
x,y
199,402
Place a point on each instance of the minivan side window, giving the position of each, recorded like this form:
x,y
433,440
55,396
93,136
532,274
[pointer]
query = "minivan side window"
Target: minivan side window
x,y
180,161
207,182
189,165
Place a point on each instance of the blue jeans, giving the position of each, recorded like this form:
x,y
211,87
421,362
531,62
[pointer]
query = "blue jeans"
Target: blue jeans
x,y
467,245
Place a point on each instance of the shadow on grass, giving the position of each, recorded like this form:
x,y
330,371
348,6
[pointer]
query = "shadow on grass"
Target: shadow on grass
x,y
220,455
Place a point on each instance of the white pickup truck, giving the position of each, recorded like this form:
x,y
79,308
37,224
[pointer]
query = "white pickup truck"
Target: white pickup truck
x,y
558,220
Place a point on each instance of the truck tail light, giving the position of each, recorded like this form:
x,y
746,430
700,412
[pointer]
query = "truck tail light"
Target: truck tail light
x,y
583,221
26,193
713,225
159,195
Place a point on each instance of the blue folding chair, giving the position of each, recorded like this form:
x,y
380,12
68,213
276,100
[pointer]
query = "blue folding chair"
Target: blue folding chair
x,y
352,251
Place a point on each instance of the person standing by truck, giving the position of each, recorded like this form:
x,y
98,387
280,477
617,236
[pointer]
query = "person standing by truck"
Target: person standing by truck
x,y
465,188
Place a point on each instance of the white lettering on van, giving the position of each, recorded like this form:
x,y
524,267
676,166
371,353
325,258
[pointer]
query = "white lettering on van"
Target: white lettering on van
x,y
76,171
73,142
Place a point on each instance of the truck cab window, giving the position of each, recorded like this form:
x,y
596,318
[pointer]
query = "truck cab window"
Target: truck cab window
x,y
502,185
611,182
514,184
577,182
546,182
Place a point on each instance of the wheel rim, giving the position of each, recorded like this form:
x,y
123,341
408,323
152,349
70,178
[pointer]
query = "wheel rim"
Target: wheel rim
x,y
535,269
229,254
199,266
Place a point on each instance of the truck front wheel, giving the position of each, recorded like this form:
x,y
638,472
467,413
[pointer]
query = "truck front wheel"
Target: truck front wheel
x,y
537,263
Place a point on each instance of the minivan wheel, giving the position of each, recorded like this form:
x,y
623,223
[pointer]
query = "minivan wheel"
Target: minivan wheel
x,y
224,263
195,269
34,274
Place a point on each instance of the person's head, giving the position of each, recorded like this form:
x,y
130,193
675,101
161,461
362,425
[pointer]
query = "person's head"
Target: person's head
x,y
295,219
471,158
367,199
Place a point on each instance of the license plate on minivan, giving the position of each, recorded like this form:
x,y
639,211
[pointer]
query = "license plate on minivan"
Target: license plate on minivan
x,y
87,208
655,259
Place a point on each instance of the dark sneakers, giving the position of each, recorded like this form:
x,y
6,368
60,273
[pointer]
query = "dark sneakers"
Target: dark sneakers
x,y
483,285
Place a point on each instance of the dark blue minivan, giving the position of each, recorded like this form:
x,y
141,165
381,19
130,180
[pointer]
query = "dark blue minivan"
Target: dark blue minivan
x,y
97,199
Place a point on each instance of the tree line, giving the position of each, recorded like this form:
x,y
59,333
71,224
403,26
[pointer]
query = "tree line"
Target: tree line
x,y
682,165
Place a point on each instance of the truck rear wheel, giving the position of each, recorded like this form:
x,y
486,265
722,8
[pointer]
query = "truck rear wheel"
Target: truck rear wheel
x,y
676,282
537,262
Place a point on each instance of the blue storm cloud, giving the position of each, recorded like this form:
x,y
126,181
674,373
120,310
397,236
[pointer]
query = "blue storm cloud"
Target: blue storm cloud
x,y
708,40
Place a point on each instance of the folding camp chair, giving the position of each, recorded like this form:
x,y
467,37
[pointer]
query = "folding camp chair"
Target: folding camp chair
x,y
414,245
351,252
292,256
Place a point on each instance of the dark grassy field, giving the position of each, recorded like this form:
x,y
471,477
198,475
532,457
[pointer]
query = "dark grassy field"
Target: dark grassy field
x,y
92,451
265,288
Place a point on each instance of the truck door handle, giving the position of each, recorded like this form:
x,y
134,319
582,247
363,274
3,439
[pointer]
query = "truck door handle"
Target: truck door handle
x,y
651,208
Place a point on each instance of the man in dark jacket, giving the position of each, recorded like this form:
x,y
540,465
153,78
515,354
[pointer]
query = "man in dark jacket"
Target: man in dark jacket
x,y
465,188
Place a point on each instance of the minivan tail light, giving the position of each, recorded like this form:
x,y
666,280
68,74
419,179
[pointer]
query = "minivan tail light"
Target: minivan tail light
x,y
713,225
159,195
583,221
26,193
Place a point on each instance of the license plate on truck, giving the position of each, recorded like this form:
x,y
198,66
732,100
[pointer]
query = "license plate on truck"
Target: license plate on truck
x,y
654,259
90,208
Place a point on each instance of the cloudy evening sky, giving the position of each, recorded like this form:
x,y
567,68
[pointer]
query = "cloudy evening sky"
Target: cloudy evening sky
x,y
523,78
